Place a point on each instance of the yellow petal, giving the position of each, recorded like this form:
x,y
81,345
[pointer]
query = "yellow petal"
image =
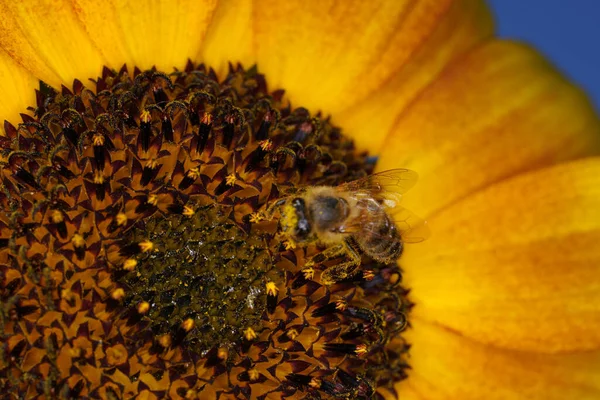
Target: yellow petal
x,y
497,112
447,366
47,39
517,265
440,32
16,86
349,51
230,37
147,33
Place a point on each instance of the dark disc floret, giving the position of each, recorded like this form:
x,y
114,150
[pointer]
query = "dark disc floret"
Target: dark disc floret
x,y
132,261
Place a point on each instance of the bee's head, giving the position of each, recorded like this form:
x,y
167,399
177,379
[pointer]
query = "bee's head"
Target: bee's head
x,y
328,212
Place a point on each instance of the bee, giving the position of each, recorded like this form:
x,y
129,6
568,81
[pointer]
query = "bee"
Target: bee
x,y
354,217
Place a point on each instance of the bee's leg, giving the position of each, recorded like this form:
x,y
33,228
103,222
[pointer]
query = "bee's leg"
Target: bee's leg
x,y
327,254
269,212
343,270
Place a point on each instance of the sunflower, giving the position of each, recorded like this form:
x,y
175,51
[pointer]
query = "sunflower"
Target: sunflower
x,y
134,260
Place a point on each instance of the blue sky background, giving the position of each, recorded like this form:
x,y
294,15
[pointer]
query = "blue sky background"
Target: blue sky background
x,y
566,31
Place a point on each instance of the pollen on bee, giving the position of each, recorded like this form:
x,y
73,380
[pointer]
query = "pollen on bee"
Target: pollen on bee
x,y
289,244
78,240
130,264
188,211
188,324
143,307
121,219
289,218
118,294
231,179
272,289
249,334
146,246
57,216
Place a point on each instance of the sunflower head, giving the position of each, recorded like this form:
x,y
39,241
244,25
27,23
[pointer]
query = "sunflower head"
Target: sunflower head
x,y
132,257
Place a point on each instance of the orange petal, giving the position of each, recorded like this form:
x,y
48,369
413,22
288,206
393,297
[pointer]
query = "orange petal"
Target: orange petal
x,y
447,366
47,39
147,33
16,86
517,265
497,112
349,51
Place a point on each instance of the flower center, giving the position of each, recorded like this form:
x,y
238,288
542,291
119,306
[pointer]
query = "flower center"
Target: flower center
x,y
131,249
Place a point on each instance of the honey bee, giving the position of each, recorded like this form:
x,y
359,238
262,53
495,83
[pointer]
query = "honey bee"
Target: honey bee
x,y
361,215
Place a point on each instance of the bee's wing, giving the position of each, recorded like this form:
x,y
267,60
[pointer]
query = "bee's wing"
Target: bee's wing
x,y
390,184
413,229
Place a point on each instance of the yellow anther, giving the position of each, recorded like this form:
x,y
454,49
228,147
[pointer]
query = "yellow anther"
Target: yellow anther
x,y
153,199
78,240
206,119
309,273
188,211
98,139
143,307
130,264
57,216
222,353
121,219
193,173
249,334
231,179
98,178
165,340
253,374
292,334
361,349
146,246
66,294
188,324
145,116
266,145
256,217
118,294
152,163
341,305
272,289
